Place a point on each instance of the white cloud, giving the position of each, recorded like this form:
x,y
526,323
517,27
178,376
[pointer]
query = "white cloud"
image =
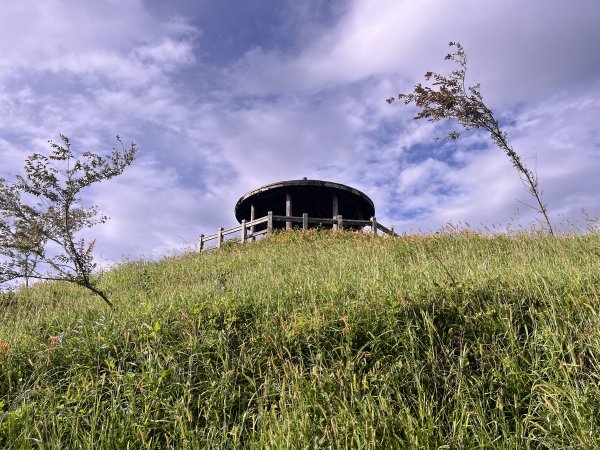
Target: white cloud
x,y
207,134
150,212
110,40
169,52
517,50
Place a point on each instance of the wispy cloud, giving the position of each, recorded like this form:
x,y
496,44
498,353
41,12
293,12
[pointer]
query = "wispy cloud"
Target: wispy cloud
x,y
221,101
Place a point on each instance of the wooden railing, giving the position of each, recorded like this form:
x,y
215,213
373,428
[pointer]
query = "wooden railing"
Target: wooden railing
x,y
248,233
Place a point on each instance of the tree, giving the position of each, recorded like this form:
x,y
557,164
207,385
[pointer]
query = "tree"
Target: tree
x,y
27,242
451,99
41,215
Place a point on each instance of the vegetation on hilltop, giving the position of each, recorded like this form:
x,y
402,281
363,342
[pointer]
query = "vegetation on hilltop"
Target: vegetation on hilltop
x,y
42,215
315,340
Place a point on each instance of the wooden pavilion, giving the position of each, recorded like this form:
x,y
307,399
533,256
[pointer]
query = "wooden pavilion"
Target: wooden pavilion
x,y
301,204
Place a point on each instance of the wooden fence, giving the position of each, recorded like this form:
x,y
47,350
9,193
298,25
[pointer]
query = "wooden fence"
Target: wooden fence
x,y
248,233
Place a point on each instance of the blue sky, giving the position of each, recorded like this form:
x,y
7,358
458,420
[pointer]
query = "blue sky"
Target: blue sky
x,y
223,97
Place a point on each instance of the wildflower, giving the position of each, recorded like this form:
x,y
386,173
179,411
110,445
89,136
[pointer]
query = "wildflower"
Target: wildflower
x,y
344,320
267,339
56,339
186,317
5,347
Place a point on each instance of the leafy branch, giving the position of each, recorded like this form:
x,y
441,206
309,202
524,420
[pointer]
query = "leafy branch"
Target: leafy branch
x,y
450,98
41,214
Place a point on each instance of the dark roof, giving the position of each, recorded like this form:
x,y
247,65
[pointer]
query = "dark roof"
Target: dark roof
x,y
311,196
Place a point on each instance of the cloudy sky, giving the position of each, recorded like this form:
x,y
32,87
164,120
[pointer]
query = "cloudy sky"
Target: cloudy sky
x,y
225,96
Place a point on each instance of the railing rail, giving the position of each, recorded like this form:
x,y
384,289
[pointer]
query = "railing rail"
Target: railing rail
x,y
246,228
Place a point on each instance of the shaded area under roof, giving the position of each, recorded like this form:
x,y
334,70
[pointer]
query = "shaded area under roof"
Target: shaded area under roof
x,y
315,197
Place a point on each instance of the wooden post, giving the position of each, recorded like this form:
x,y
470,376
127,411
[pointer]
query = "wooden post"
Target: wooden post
x,y
219,237
288,210
243,231
252,217
305,221
335,206
270,222
334,209
201,243
374,225
340,222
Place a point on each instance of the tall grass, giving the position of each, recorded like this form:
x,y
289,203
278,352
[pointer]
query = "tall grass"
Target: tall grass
x,y
315,340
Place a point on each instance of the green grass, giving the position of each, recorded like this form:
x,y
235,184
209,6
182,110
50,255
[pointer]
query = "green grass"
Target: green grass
x,y
315,340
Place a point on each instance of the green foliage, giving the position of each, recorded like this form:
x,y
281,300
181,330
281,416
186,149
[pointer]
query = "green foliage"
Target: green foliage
x,y
451,99
315,340
41,213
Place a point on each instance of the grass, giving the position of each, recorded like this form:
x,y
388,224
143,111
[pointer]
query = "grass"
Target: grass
x,y
315,340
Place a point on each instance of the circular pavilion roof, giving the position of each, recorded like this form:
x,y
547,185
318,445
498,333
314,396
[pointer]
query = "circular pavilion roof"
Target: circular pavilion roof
x,y
314,197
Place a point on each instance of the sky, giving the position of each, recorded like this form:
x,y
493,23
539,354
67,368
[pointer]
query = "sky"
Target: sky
x,y
222,97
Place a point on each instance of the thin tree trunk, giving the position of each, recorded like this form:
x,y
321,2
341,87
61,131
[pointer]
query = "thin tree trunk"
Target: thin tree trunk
x,y
98,292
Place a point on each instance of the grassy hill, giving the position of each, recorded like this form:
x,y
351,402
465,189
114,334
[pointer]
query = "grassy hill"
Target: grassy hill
x,y
315,340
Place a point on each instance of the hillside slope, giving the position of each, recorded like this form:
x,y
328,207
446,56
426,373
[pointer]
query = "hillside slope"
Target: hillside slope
x,y
315,340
